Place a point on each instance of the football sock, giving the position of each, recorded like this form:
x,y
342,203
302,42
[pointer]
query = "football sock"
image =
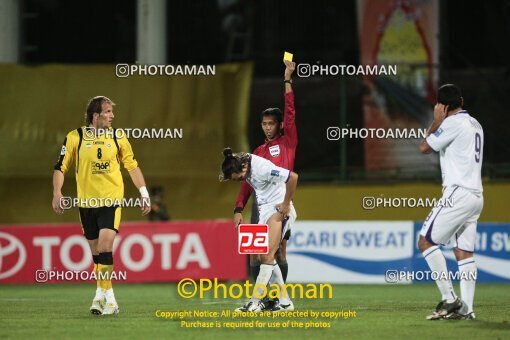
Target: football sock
x,y
284,267
99,294
99,290
266,270
96,262
105,269
110,297
467,271
278,279
437,263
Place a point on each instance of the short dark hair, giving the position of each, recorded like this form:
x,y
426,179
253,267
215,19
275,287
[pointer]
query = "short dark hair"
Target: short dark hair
x,y
450,95
233,163
275,112
95,106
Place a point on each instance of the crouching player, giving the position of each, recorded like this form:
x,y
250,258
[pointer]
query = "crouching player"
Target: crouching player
x,y
274,188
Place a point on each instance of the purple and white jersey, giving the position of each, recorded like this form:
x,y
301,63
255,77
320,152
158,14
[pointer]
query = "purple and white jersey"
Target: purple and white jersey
x,y
268,180
459,141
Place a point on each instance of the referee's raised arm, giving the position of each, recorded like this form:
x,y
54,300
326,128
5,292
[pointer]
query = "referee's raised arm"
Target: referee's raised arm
x,y
289,120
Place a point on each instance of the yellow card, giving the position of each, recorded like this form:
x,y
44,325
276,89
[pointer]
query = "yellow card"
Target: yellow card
x,y
287,56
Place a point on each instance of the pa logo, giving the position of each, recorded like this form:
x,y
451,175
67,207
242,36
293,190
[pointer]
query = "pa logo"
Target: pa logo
x,y
253,238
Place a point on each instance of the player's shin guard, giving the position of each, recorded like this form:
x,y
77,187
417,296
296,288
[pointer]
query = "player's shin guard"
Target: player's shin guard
x,y
105,269
437,263
284,267
468,273
266,270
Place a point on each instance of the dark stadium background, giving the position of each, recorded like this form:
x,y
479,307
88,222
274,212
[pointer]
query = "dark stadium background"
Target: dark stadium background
x,y
474,51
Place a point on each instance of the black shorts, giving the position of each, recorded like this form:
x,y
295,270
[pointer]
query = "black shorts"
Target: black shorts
x,y
94,219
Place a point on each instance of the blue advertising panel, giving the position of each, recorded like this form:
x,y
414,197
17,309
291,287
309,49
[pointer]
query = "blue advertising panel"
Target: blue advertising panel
x,y
384,252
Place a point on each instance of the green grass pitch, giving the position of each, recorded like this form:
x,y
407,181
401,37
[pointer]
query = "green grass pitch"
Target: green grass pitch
x,y
49,311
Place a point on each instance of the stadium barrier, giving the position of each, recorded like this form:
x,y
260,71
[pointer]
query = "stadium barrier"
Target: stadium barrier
x,y
144,252
384,252
326,251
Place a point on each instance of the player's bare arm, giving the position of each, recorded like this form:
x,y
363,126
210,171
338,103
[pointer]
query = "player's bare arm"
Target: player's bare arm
x,y
440,112
139,182
284,207
58,182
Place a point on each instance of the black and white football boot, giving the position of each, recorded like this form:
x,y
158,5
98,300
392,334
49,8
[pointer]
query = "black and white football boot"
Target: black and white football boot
x,y
279,307
444,308
458,316
269,303
251,306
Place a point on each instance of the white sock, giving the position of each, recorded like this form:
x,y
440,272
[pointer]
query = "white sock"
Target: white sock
x,y
110,297
266,270
467,284
277,278
437,263
99,294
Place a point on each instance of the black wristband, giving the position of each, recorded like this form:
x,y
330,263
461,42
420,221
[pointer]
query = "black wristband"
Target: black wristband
x,y
238,210
288,81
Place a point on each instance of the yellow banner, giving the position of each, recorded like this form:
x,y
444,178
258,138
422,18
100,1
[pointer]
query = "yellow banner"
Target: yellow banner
x,y
40,105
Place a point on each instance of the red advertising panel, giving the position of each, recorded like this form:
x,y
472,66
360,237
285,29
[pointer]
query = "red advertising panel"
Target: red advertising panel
x,y
145,252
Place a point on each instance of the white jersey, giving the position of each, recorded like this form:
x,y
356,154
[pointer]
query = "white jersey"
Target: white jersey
x,y
268,180
459,141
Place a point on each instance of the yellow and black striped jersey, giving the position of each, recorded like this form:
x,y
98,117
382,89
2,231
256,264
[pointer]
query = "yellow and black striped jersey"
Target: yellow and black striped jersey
x,y
97,162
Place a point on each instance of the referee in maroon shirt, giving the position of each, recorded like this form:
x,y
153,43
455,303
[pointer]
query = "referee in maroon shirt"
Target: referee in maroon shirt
x,y
281,150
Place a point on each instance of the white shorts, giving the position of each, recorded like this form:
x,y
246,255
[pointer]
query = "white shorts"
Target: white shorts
x,y
458,220
268,210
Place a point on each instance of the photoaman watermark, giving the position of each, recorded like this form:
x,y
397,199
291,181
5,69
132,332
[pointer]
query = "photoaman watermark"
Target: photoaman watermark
x,y
188,288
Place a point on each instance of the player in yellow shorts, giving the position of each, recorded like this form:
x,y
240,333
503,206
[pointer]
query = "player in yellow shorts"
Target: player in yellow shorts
x,y
96,152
